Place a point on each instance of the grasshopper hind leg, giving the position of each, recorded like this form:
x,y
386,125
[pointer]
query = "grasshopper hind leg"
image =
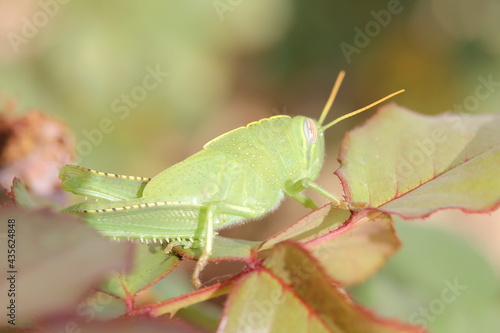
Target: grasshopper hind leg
x,y
150,220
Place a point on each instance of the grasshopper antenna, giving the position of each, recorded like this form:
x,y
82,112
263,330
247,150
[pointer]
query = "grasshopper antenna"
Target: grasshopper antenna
x,y
333,94
339,119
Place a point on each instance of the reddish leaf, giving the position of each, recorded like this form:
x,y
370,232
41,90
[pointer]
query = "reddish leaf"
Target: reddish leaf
x,y
315,224
412,165
58,260
292,293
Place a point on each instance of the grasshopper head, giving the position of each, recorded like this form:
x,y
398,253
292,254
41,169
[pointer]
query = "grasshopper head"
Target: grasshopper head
x,y
312,142
312,131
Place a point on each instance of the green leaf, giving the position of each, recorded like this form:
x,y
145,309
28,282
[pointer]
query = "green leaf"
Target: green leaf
x,y
445,285
57,262
312,226
292,293
21,195
412,165
150,264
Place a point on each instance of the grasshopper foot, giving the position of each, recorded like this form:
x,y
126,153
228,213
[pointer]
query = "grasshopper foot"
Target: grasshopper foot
x,y
202,262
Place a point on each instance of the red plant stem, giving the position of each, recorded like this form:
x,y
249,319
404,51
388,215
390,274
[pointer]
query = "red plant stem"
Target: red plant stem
x,y
174,304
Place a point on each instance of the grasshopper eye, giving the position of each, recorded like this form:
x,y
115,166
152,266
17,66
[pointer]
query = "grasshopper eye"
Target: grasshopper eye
x,y
310,130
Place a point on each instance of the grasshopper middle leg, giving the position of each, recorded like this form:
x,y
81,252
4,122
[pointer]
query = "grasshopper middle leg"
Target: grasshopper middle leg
x,y
212,212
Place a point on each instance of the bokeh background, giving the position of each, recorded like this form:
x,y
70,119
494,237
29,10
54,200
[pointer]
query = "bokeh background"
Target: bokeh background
x,y
221,64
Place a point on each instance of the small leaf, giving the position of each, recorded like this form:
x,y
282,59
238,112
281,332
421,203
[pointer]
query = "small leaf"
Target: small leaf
x,y
21,195
412,165
291,293
58,260
313,225
150,265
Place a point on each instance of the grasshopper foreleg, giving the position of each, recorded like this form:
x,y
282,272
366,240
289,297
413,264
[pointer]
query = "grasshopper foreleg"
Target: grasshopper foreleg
x,y
307,183
304,199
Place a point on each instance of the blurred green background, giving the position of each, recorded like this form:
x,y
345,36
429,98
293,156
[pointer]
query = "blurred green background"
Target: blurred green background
x,y
222,64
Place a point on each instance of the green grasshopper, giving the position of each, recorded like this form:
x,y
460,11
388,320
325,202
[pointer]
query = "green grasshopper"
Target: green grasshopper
x,y
240,175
